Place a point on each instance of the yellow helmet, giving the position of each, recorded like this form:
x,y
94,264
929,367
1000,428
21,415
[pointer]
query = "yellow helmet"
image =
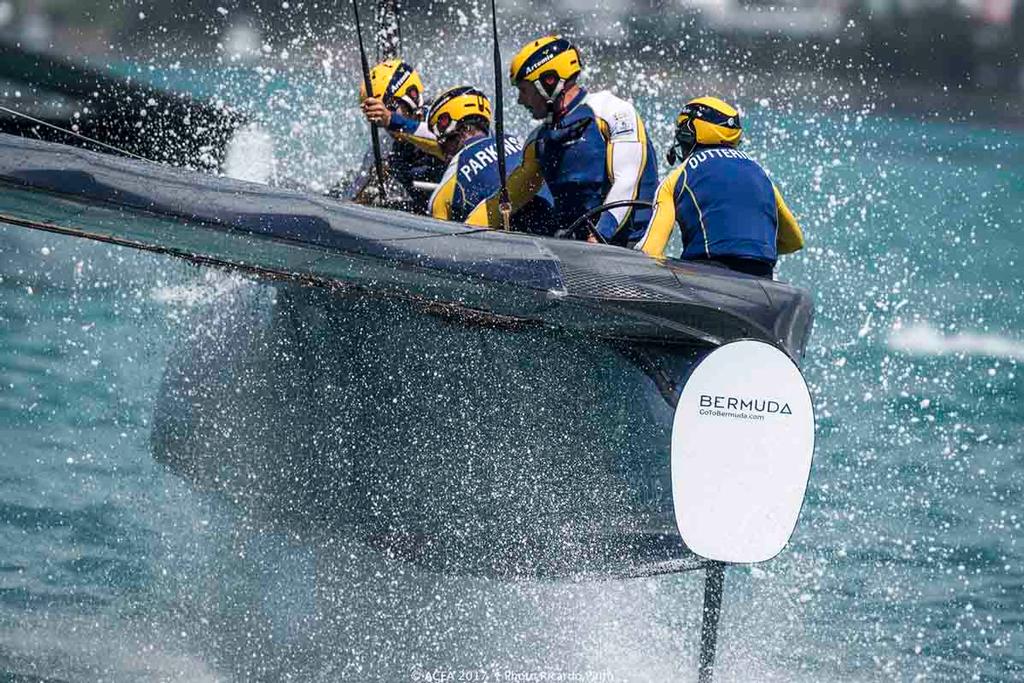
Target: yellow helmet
x,y
549,62
393,81
455,106
708,121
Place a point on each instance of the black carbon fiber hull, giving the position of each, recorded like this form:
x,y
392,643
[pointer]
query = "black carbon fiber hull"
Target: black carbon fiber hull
x,y
473,401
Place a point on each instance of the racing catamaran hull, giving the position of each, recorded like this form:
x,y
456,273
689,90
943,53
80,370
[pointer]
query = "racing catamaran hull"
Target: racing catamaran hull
x,y
463,446
473,401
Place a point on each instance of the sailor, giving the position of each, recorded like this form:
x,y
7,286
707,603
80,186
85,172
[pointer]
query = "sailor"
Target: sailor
x,y
591,148
396,104
727,208
460,120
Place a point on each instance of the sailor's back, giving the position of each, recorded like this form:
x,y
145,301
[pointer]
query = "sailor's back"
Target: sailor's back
x,y
725,205
727,208
472,176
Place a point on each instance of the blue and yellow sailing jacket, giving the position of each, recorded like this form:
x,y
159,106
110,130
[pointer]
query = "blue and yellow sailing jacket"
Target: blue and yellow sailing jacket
x,y
416,133
472,177
597,153
726,206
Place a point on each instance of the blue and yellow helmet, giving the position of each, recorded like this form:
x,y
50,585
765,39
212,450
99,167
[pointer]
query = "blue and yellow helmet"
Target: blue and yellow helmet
x,y
395,81
549,62
709,121
455,106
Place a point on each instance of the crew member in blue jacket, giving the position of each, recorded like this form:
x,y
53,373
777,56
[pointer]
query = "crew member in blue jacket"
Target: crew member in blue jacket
x,y
591,149
396,104
460,121
727,208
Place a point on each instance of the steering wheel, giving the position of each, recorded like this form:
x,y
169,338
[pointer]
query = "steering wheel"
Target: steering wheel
x,y
585,224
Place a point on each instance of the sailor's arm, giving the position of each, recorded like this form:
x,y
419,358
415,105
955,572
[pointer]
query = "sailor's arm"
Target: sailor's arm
x,y
415,133
524,182
401,127
663,219
626,158
790,237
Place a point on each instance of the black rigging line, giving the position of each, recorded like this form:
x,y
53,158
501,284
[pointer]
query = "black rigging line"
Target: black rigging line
x,y
504,203
374,133
75,134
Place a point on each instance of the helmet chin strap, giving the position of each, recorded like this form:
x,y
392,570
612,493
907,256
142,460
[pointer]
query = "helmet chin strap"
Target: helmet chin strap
x,y
550,97
413,104
676,153
689,142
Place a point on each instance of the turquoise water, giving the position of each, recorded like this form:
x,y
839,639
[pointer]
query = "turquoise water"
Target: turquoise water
x,y
907,564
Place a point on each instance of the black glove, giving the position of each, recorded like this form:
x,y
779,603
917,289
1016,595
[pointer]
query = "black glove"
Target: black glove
x,y
552,141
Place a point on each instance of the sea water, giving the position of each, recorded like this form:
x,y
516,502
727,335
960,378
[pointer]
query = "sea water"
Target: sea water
x,y
907,563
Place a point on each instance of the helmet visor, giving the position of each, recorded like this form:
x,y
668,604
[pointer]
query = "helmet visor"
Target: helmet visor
x,y
442,125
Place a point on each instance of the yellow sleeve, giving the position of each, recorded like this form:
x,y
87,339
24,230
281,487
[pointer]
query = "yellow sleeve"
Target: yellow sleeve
x,y
790,237
663,219
524,182
427,145
421,138
441,200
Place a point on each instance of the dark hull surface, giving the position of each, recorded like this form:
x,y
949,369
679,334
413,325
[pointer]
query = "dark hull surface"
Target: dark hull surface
x,y
469,400
465,448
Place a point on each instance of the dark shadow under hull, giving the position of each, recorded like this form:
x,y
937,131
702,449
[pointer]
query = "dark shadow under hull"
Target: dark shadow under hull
x,y
461,447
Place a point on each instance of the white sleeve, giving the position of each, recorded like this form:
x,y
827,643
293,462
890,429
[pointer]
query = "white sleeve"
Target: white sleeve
x,y
423,132
627,155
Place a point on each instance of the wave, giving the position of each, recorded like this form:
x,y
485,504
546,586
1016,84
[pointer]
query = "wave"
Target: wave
x,y
215,285
921,339
250,156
